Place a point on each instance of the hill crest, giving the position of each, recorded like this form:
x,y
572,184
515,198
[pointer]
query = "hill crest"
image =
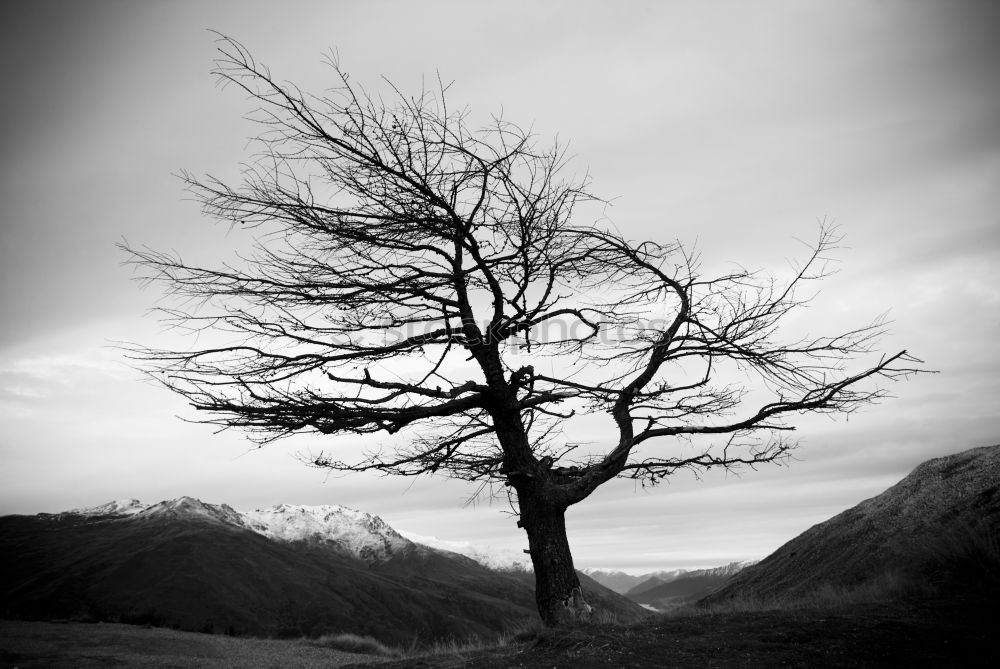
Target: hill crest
x,y
913,531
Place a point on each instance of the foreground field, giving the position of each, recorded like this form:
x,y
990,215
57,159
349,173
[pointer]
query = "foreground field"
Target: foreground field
x,y
27,645
950,632
939,634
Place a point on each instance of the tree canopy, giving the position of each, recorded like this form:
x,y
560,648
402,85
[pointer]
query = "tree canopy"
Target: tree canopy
x,y
414,276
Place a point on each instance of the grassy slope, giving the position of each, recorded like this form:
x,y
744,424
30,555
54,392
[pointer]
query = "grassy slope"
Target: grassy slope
x,y
938,522
910,578
925,633
207,577
929,632
40,645
950,620
203,577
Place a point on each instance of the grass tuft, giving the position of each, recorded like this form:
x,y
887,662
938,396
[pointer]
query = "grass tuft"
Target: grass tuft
x,y
965,553
518,633
887,587
354,643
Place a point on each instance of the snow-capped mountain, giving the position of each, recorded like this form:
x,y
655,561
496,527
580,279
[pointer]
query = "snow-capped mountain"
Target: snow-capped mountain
x,y
362,534
189,507
118,507
358,533
730,569
500,559
283,571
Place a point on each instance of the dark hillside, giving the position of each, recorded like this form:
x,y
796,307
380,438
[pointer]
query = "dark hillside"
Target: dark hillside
x,y
203,576
937,533
648,584
938,526
684,590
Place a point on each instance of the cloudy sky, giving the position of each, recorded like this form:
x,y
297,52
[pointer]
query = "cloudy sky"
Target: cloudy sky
x,y
733,125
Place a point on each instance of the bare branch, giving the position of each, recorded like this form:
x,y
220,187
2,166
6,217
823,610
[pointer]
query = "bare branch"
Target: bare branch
x,y
408,274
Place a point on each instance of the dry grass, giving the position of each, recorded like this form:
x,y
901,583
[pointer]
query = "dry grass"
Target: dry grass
x,y
354,643
959,558
456,648
455,651
864,636
46,645
964,553
888,587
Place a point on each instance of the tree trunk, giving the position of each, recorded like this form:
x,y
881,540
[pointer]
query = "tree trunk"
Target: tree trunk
x,y
542,505
557,587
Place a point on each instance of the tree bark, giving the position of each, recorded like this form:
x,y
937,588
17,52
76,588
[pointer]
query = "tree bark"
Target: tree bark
x,y
558,594
542,505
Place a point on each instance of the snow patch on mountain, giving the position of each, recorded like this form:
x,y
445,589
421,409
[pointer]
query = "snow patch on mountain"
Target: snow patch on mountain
x,y
492,557
355,532
358,533
362,534
118,507
190,507
730,569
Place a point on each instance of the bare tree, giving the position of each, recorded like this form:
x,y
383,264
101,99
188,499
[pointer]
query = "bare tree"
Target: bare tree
x,y
413,277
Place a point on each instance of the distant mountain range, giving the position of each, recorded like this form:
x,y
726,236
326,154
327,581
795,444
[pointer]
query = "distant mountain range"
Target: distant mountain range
x,y
666,590
621,582
299,570
501,559
354,533
287,570
663,595
939,527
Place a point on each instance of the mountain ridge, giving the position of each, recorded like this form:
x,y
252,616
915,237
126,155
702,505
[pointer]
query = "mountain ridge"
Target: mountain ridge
x,y
621,582
362,534
315,523
687,588
930,526
283,571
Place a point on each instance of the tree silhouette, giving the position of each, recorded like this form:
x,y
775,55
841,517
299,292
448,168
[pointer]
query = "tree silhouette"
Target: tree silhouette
x,y
413,277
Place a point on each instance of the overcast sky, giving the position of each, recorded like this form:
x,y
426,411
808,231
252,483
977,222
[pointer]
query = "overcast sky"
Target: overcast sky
x,y
733,124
